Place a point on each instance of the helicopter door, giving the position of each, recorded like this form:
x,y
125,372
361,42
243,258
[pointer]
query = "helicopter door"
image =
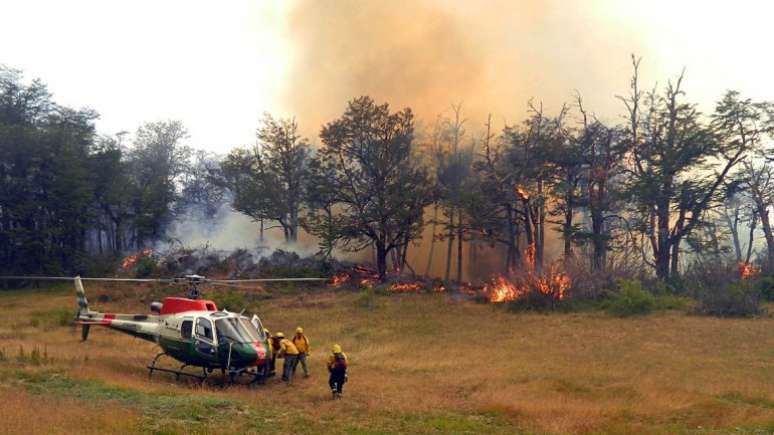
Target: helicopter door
x,y
205,341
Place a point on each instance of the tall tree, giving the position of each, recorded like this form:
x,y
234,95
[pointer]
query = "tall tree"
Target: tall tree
x,y
380,190
157,161
45,184
268,181
679,161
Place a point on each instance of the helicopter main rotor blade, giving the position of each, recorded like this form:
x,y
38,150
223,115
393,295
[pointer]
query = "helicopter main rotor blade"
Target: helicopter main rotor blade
x,y
229,285
237,281
70,278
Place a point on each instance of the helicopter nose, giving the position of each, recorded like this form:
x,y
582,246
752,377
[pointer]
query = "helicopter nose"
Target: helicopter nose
x,y
247,353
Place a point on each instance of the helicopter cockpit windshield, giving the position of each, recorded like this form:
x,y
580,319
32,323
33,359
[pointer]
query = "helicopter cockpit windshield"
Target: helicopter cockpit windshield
x,y
236,330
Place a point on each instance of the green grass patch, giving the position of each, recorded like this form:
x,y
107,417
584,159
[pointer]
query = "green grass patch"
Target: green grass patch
x,y
56,317
747,400
164,412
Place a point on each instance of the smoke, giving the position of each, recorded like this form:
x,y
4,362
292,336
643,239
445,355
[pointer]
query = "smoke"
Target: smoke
x,y
491,56
229,230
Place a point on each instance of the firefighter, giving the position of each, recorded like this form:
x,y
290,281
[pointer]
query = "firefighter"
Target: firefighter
x,y
273,350
288,351
337,367
304,349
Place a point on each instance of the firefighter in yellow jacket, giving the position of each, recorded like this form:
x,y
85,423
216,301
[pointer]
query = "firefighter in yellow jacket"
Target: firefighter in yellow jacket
x,y
337,367
304,349
289,352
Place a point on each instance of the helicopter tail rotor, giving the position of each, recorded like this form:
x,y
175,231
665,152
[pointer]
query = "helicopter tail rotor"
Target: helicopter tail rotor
x,y
83,307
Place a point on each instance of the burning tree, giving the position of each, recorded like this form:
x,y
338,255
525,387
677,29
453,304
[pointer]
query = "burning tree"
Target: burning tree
x,y
550,286
379,190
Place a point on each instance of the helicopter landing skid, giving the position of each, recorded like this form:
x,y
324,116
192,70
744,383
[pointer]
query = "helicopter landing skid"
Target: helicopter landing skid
x,y
152,368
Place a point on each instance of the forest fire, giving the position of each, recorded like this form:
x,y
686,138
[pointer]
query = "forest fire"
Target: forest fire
x,y
339,279
553,283
522,194
130,261
406,287
502,290
747,270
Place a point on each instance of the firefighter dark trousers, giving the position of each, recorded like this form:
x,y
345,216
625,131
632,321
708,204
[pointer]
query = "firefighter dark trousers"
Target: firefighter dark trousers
x,y
337,380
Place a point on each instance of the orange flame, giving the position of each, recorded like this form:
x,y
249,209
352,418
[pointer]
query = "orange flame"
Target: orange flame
x,y
406,287
553,283
529,255
522,194
339,279
130,261
502,290
747,270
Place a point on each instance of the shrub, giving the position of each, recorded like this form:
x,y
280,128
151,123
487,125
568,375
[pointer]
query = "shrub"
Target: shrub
x,y
533,301
671,302
631,299
146,267
766,288
710,274
740,299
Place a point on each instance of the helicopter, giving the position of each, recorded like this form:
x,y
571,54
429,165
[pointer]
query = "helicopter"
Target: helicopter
x,y
190,330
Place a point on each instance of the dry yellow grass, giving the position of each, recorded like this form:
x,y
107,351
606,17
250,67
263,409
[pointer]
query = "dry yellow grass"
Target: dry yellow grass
x,y
431,363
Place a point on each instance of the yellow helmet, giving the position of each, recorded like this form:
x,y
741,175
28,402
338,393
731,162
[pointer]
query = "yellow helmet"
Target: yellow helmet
x,y
299,330
336,348
279,335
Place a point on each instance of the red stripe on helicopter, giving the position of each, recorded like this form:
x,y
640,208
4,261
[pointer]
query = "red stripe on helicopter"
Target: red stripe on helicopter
x,y
259,351
108,319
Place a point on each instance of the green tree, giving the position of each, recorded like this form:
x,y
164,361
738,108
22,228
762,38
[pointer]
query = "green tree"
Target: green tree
x,y
268,181
379,188
679,161
157,161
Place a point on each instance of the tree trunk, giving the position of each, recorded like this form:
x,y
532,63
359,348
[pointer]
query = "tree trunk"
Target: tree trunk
x,y
293,225
432,240
512,253
449,246
763,215
733,226
598,241
99,240
404,252
459,245
540,231
381,260
675,260
750,239
661,254
567,233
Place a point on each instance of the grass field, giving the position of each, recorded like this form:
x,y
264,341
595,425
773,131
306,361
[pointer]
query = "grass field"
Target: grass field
x,y
419,364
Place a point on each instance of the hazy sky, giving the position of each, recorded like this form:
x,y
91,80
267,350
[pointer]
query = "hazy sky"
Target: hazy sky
x,y
218,65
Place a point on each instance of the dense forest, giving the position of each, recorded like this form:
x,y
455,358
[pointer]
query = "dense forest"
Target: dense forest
x,y
666,190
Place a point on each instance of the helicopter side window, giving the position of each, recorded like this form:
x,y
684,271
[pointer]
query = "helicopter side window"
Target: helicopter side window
x,y
204,329
186,328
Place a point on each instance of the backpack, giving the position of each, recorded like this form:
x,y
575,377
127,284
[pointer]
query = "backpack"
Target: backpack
x,y
339,362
